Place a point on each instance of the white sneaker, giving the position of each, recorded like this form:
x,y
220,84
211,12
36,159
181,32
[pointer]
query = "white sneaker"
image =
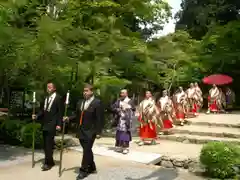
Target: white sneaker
x,y
125,151
141,143
118,149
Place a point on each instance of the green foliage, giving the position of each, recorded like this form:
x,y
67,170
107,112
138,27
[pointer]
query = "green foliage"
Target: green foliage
x,y
173,59
108,43
11,131
219,159
199,16
98,39
17,132
26,135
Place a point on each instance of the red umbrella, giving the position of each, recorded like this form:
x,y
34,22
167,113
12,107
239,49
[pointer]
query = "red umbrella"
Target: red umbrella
x,y
218,79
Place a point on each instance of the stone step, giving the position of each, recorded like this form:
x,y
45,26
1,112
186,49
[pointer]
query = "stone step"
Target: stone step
x,y
195,139
217,120
208,131
214,124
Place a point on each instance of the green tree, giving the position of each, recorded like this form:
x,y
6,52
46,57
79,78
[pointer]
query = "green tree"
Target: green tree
x,y
173,58
197,16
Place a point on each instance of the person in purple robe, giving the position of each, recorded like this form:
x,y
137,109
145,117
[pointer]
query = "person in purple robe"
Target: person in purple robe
x,y
124,111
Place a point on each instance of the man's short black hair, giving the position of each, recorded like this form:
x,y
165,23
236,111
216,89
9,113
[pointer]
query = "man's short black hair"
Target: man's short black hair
x,y
89,86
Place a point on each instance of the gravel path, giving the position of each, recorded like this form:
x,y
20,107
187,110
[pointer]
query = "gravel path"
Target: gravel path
x,y
132,173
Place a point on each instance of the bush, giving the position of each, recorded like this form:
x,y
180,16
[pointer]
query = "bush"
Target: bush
x,y
219,159
27,135
11,131
17,132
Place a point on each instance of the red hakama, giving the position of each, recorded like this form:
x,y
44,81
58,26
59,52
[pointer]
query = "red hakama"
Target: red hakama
x,y
167,124
147,131
180,115
195,108
212,105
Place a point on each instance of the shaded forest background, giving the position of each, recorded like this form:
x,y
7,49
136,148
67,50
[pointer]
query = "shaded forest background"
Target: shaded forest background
x,y
109,43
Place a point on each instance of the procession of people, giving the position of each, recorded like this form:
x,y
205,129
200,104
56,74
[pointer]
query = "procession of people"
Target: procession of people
x,y
155,115
160,115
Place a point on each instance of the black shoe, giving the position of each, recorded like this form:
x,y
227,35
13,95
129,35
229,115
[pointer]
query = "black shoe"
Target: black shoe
x,y
46,167
92,169
82,175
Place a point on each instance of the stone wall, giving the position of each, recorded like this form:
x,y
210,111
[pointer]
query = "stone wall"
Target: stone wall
x,y
192,165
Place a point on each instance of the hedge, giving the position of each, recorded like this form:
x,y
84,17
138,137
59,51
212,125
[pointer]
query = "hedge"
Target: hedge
x,y
18,132
220,158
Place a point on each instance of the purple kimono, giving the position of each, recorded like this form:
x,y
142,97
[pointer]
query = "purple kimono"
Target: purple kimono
x,y
124,112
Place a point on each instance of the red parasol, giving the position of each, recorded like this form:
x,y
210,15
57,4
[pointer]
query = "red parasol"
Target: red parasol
x,y
218,79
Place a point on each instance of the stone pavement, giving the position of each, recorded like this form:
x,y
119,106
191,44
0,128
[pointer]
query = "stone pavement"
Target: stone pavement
x,y
108,168
163,147
166,153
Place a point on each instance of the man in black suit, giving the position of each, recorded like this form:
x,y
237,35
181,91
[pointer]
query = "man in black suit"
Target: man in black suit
x,y
89,116
50,116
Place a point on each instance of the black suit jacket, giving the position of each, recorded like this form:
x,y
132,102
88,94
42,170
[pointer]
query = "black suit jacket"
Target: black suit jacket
x,y
53,118
92,121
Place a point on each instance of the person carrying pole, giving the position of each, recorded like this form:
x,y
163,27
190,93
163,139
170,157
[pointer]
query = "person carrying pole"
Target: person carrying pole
x,y
50,116
89,116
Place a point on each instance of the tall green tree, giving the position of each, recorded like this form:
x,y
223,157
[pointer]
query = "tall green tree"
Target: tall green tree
x,y
197,16
173,59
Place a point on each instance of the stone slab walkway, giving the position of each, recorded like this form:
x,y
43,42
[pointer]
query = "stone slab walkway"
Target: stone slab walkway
x,y
133,155
108,169
165,153
163,147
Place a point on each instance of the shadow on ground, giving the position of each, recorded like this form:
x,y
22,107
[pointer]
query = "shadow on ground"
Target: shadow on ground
x,y
131,173
11,153
8,152
159,174
74,169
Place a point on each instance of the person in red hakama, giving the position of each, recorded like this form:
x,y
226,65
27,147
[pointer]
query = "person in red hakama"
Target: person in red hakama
x,y
146,119
197,98
213,99
191,94
166,112
179,101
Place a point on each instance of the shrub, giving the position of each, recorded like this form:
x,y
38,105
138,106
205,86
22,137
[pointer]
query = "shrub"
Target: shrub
x,y
10,131
219,159
17,132
27,135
